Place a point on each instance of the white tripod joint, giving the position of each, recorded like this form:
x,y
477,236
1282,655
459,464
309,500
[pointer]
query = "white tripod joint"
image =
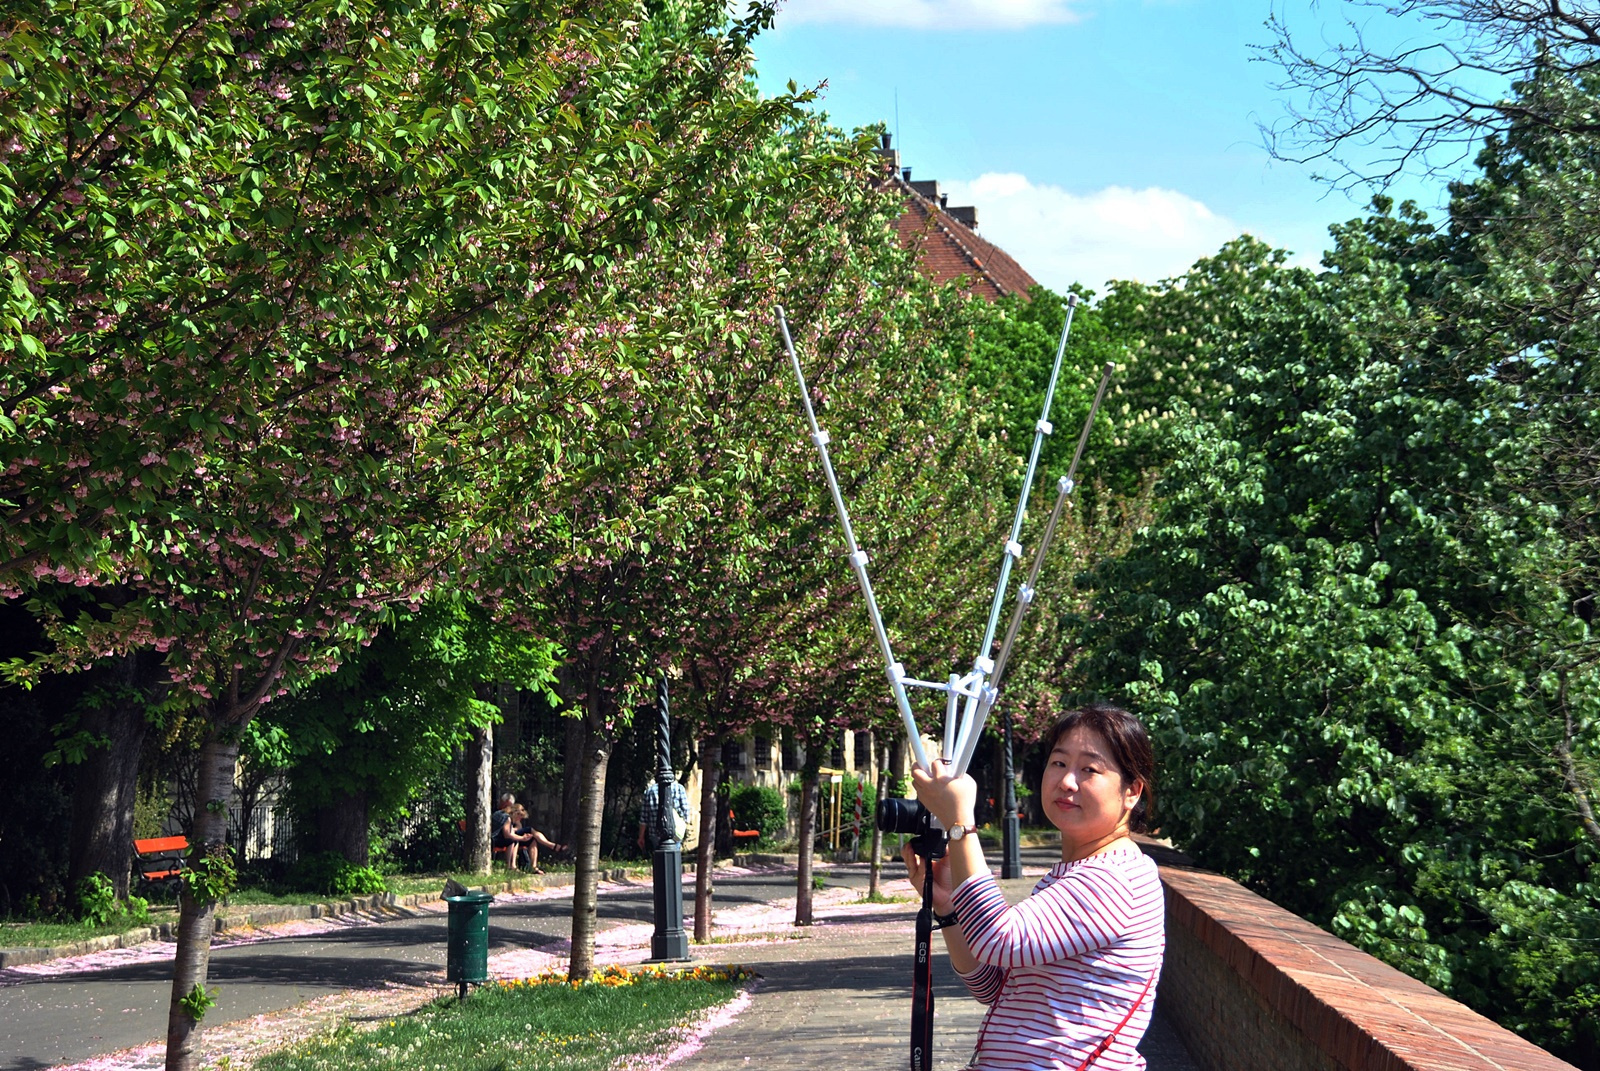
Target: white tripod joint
x,y
1014,549
968,685
1064,485
983,664
990,694
821,438
897,671
1024,593
1045,427
859,559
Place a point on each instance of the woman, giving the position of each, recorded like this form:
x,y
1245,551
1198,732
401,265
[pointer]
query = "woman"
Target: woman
x,y
1069,973
532,839
503,830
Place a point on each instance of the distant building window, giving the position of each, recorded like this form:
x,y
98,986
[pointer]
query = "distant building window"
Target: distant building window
x,y
863,751
733,754
836,756
763,751
789,755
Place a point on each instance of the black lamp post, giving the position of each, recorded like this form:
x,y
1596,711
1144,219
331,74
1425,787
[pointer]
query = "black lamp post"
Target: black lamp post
x,y
1011,825
669,942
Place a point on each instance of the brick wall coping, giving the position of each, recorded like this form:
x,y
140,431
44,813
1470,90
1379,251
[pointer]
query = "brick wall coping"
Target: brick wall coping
x,y
1362,1013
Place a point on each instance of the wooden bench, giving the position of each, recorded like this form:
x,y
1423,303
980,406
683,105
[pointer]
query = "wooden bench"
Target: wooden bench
x,y
161,861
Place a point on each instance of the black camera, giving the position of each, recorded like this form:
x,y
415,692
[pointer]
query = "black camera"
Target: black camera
x,y
904,816
912,819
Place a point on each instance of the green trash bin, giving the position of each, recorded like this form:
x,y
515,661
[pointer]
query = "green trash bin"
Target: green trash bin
x,y
467,946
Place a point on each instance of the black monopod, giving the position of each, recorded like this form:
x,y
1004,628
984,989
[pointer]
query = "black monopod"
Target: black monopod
x,y
928,841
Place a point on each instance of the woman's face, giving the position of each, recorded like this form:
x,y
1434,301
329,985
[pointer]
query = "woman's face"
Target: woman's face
x,y
1083,791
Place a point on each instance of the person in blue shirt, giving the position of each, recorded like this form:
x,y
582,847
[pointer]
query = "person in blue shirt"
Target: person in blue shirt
x,y
650,830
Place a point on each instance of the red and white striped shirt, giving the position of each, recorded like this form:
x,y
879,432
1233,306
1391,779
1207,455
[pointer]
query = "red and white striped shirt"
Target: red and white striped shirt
x,y
1061,969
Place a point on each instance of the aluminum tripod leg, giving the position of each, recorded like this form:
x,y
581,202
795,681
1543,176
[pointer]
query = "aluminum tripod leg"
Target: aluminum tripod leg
x,y
1025,593
948,751
858,558
983,664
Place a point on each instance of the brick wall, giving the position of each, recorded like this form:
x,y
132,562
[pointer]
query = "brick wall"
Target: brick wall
x,y
1251,987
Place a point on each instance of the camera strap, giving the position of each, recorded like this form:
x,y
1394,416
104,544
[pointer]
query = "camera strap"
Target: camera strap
x,y
922,982
1109,1038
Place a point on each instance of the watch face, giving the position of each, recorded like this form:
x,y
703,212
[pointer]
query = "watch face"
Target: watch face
x,y
958,831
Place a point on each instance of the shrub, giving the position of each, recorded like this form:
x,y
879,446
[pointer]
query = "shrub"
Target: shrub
x,y
759,807
847,808
98,905
332,873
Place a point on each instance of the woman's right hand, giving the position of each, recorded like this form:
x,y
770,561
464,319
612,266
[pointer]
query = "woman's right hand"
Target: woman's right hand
x,y
915,868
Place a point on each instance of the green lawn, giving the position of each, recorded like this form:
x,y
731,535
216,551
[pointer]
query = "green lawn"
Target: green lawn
x,y
248,895
401,884
548,1027
35,934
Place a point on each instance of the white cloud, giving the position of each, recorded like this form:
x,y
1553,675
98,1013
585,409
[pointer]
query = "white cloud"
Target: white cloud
x,y
932,14
1114,233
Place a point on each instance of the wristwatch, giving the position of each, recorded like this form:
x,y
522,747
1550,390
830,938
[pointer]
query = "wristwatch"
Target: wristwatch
x,y
958,831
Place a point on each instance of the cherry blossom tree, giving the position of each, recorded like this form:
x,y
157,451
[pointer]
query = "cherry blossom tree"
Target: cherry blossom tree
x,y
289,323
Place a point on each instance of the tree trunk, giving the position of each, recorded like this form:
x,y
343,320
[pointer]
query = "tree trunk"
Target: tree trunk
x,y
875,881
196,918
705,857
586,851
480,768
808,837
107,781
342,827
1570,774
572,778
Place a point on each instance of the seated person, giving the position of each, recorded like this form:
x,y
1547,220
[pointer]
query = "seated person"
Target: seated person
x,y
503,830
533,839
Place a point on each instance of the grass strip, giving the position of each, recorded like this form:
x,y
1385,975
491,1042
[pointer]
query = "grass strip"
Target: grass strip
x,y
541,1024
45,934
257,896
401,884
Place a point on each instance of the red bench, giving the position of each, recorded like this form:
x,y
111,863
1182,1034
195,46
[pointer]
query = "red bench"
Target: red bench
x,y
494,849
161,861
740,835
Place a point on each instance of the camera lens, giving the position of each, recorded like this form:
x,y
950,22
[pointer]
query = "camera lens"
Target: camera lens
x,y
902,816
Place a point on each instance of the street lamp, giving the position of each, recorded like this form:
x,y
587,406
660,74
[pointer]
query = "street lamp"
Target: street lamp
x,y
669,942
1011,824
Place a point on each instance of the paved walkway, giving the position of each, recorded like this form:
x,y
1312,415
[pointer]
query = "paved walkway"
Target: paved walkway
x,y
842,1000
836,991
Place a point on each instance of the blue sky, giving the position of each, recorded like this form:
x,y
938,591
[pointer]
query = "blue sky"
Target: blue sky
x,y
1097,138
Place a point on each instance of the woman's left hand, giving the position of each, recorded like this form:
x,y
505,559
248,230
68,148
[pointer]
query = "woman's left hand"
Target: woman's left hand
x,y
952,798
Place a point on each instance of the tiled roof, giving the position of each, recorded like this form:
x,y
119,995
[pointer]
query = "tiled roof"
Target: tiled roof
x,y
951,250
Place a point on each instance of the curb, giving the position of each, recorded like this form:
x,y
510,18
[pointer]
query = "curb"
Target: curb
x,y
765,859
384,903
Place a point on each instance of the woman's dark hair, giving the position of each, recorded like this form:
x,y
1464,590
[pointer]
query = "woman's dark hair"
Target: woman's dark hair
x,y
1130,750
